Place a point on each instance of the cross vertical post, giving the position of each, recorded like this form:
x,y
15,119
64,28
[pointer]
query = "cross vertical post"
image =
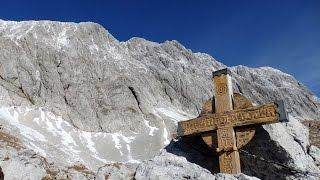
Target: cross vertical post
x,y
229,159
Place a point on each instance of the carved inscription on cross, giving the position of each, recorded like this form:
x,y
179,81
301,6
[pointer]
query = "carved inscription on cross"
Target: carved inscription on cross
x,y
228,121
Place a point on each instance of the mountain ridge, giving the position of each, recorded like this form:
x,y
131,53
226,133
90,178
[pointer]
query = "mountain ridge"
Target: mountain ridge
x,y
90,98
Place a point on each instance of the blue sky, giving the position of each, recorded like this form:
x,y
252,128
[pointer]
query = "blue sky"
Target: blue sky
x,y
282,34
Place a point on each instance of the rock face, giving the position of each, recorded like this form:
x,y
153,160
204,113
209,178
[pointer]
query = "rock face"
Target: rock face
x,y
74,95
266,84
169,166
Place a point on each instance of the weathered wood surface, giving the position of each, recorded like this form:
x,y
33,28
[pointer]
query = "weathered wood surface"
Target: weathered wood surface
x,y
246,133
229,160
227,123
243,134
263,114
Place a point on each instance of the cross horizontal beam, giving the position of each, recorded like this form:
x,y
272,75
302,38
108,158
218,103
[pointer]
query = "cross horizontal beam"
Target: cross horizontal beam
x,y
264,114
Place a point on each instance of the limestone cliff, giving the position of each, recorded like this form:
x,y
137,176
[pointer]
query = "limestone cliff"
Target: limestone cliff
x,y
72,93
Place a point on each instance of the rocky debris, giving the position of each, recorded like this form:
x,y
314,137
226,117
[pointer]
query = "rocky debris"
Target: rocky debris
x,y
74,172
19,162
315,154
116,171
234,177
21,165
169,166
76,95
16,161
26,164
162,167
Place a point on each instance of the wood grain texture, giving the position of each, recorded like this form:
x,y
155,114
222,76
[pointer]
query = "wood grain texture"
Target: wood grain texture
x,y
264,114
229,160
243,134
227,122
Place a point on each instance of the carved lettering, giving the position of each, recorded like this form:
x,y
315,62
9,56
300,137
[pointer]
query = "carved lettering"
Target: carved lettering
x,y
221,89
226,164
262,114
225,138
243,136
270,111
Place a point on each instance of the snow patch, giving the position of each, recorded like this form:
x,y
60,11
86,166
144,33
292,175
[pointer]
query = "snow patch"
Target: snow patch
x,y
91,145
165,135
130,159
12,116
175,115
116,140
62,38
53,137
117,137
152,129
93,47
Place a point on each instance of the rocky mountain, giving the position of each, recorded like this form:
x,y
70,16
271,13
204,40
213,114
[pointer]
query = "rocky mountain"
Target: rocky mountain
x,y
77,103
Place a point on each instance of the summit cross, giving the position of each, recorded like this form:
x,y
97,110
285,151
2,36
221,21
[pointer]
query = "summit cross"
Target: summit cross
x,y
228,121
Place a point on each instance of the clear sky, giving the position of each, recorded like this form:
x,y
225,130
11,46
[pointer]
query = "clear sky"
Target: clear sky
x,y
284,34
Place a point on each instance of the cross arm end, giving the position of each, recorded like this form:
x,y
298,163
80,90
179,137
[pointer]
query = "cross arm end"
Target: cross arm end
x,y
283,116
180,130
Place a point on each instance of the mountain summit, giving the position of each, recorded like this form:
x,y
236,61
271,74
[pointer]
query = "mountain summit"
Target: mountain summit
x,y
76,102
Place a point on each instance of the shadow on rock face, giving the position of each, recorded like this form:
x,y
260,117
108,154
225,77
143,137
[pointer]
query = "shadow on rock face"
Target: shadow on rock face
x,y
266,158
196,151
1,174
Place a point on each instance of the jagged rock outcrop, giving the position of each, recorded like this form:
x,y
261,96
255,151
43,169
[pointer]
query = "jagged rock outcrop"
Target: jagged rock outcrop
x,y
75,94
163,166
19,162
315,154
266,84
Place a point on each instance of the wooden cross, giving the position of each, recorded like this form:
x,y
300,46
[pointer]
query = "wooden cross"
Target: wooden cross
x,y
228,121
